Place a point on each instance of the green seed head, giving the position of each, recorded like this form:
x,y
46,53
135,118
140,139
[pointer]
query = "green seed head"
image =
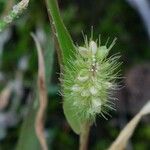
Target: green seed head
x,y
89,80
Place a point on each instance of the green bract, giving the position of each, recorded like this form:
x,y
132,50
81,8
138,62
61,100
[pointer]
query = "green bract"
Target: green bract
x,y
89,80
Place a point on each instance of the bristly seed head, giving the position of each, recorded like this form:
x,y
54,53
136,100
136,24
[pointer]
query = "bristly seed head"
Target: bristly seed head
x,y
88,85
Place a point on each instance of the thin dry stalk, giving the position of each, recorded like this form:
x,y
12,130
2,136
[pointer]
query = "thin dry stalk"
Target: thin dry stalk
x,y
5,96
39,123
122,140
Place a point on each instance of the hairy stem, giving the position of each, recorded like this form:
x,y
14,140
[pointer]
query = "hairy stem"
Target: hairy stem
x,y
84,136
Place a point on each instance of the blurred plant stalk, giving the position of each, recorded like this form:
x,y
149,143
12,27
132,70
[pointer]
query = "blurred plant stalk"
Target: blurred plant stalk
x,y
122,140
17,9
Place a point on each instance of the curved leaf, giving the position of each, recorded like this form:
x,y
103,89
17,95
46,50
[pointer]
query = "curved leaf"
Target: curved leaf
x,y
66,45
66,51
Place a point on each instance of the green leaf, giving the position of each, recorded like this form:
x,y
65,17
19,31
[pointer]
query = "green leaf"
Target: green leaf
x,y
66,51
67,47
28,139
70,115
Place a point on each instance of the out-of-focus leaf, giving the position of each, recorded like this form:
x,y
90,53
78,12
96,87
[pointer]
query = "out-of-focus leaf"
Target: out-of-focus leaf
x,y
28,139
49,58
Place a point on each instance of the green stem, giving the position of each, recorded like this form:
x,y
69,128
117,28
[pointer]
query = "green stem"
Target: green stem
x,y
84,136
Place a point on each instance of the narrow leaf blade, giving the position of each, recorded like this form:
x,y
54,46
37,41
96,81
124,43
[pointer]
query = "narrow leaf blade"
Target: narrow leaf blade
x,y
67,47
66,51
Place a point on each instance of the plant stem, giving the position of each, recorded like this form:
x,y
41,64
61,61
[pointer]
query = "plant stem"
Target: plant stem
x,y
84,136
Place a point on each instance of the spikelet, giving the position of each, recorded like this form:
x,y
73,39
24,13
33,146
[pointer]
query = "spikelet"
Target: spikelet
x,y
89,80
